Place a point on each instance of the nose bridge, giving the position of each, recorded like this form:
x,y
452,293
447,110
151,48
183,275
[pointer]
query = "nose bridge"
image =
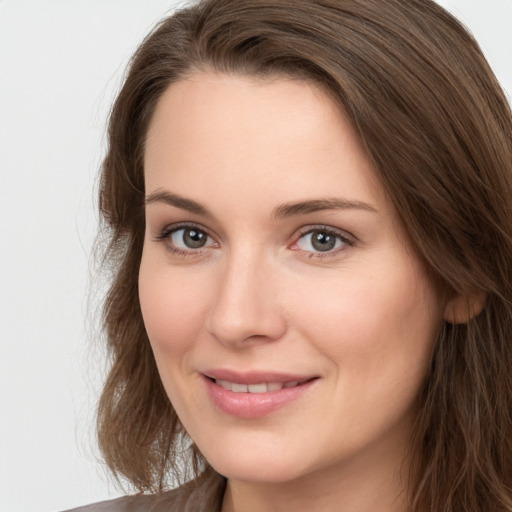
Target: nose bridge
x,y
246,305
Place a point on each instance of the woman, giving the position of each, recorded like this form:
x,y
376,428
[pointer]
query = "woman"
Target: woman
x,y
309,209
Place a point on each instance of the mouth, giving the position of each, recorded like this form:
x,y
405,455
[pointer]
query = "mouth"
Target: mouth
x,y
254,395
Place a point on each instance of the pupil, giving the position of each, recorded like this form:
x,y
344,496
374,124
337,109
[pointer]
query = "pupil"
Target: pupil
x,y
322,241
194,239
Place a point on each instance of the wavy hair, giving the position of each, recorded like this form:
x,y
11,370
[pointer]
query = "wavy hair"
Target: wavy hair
x,y
438,129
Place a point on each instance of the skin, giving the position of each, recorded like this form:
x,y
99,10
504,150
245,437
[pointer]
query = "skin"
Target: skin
x,y
258,295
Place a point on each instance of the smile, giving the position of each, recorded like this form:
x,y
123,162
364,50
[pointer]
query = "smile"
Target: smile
x,y
262,387
254,395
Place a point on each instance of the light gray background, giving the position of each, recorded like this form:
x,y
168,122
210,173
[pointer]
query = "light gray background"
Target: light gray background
x,y
61,62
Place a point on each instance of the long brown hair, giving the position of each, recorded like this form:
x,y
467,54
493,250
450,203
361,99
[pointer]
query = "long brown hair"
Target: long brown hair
x,y
438,129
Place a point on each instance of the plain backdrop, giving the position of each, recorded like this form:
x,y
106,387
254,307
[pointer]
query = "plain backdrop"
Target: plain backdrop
x,y
61,62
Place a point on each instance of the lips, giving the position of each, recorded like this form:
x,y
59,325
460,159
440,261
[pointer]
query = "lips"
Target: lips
x,y
254,394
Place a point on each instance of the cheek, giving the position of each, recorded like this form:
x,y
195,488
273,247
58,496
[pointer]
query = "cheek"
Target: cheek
x,y
377,334
376,324
173,307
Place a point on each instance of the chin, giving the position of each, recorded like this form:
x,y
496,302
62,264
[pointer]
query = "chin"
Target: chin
x,y
255,473
260,465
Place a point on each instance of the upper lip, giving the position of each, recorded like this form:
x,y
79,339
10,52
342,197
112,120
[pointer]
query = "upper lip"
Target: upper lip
x,y
254,377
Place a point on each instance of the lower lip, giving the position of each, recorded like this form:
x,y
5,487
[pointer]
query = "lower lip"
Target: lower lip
x,y
254,405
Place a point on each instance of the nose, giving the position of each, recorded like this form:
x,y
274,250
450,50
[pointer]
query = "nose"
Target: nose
x,y
246,307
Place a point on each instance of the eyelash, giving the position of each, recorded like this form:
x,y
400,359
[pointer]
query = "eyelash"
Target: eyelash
x,y
345,238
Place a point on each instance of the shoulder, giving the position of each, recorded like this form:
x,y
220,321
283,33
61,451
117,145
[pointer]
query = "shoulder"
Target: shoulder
x,y
136,503
202,494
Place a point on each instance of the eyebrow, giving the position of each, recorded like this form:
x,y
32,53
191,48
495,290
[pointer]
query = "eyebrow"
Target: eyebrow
x,y
281,211
177,201
315,205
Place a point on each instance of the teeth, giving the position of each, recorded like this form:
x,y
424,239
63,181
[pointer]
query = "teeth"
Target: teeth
x,y
274,386
224,384
255,388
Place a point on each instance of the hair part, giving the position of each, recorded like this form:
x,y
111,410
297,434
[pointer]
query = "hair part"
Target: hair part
x,y
438,129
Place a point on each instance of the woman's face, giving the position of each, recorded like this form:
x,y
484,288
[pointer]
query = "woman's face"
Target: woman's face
x,y
290,320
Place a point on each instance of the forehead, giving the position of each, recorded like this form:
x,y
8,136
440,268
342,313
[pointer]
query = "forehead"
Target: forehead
x,y
273,130
189,108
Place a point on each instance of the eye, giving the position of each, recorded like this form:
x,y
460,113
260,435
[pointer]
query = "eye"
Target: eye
x,y
189,238
185,240
322,240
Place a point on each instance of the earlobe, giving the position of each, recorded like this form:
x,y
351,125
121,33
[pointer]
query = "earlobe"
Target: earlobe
x,y
460,309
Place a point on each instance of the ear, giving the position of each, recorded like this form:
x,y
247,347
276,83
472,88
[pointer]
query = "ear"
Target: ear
x,y
460,309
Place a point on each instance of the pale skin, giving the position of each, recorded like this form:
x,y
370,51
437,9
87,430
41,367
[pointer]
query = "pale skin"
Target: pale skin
x,y
255,167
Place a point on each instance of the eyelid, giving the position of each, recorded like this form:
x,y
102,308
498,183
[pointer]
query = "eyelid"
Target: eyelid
x,y
170,228
346,235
